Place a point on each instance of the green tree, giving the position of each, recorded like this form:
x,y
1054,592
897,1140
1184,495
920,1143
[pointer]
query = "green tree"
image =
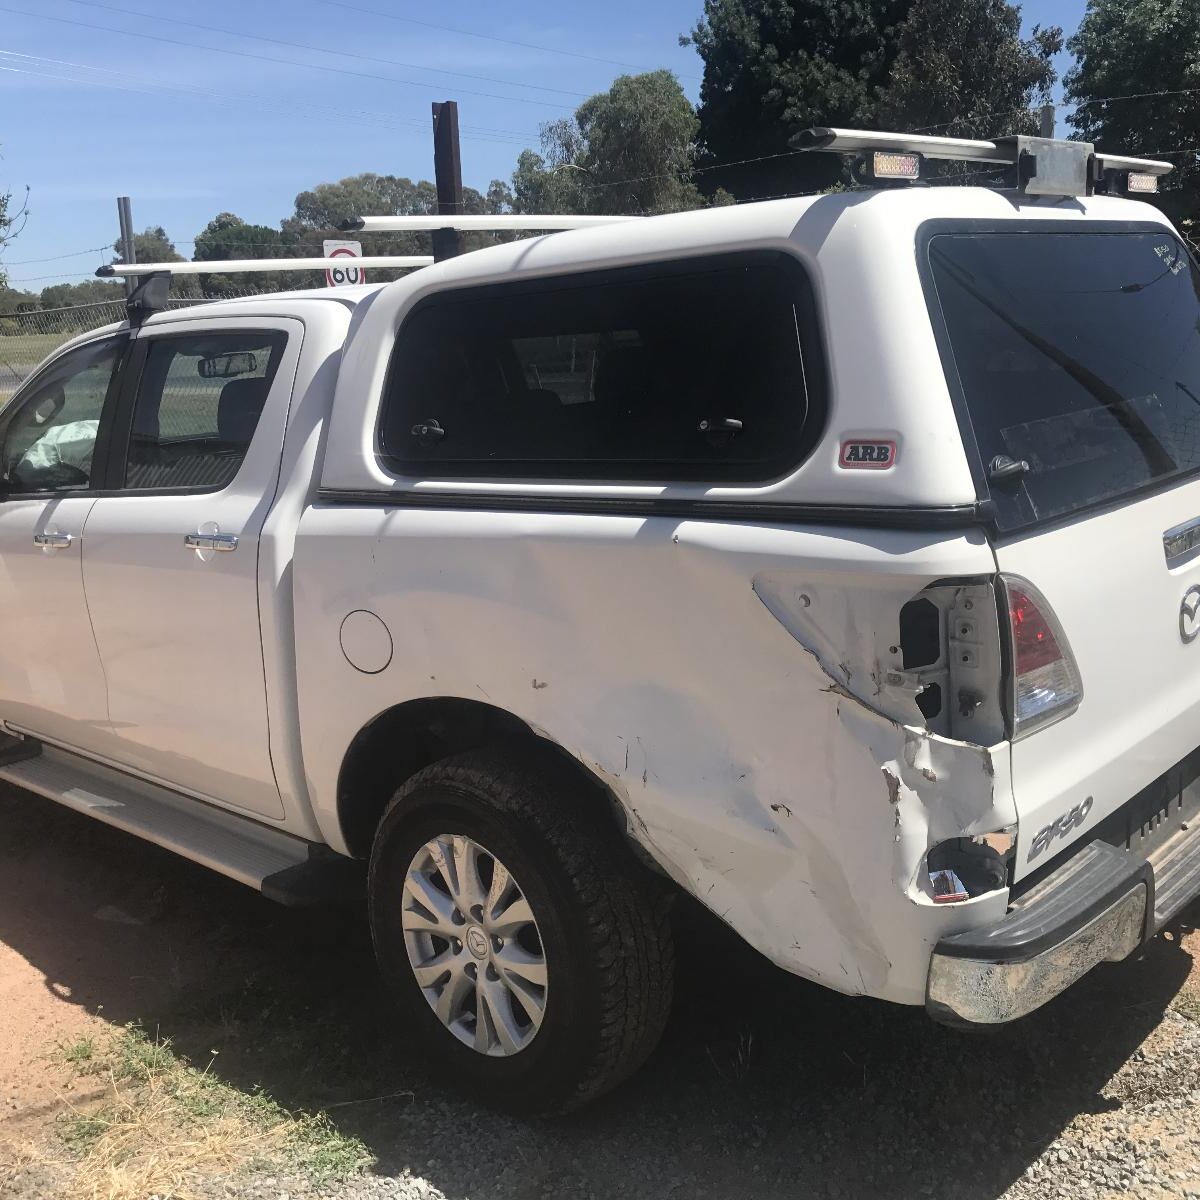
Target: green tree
x,y
227,236
89,291
153,245
322,211
963,68
1130,48
14,300
627,150
11,224
774,67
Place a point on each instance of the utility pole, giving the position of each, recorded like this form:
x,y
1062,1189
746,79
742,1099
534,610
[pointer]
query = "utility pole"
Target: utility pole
x,y
128,251
447,174
1046,121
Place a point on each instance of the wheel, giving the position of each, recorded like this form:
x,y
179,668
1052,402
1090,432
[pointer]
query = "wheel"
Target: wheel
x,y
529,951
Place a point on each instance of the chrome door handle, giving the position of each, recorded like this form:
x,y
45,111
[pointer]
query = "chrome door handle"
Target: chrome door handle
x,y
211,541
53,541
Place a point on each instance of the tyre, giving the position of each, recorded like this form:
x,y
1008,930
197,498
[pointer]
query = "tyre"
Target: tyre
x,y
529,951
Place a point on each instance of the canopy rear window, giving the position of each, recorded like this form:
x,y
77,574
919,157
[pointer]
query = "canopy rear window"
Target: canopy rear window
x,y
1078,356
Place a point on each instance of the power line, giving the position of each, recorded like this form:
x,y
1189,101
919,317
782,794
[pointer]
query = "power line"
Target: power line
x,y
43,278
24,262
232,99
265,58
391,62
1135,96
490,37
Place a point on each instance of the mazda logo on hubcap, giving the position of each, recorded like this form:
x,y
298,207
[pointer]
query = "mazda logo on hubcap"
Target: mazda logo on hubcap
x,y
1189,614
477,942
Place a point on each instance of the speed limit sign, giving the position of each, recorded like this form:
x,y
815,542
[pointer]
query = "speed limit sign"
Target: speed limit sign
x,y
343,272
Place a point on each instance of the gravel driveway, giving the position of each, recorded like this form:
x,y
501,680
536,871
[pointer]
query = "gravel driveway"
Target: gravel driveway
x,y
764,1086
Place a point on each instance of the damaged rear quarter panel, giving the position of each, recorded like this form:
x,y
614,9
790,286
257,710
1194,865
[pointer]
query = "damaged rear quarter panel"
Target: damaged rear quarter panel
x,y
766,787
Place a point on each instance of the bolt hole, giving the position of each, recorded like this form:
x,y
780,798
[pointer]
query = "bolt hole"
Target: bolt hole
x,y
491,973
470,970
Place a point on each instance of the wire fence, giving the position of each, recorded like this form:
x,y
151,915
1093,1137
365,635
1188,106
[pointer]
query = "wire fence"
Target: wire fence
x,y
26,338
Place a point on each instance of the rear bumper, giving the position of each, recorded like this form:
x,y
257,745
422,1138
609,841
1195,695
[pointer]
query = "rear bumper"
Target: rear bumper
x,y
1098,906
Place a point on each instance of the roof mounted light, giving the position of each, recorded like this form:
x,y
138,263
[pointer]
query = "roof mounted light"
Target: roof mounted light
x,y
893,164
1139,181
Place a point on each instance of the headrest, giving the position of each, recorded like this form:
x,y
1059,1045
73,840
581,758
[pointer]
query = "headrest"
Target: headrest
x,y
239,408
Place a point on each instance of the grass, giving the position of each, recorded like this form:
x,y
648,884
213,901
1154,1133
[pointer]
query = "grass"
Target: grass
x,y
1187,1004
165,1126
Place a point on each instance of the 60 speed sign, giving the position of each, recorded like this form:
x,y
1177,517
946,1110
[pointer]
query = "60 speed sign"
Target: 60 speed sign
x,y
343,273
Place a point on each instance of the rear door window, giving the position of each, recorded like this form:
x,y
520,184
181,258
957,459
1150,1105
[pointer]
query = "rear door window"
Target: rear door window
x,y
700,371
1078,357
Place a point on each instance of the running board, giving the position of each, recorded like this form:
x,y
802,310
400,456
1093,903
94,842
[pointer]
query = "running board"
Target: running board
x,y
284,868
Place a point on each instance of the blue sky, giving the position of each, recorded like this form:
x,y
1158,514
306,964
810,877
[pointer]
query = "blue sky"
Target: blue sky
x,y
189,122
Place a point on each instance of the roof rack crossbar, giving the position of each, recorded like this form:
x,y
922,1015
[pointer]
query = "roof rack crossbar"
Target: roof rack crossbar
x,y
475,223
852,141
1044,166
249,265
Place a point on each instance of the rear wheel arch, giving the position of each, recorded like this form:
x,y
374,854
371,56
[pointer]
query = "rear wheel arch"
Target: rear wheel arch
x,y
404,739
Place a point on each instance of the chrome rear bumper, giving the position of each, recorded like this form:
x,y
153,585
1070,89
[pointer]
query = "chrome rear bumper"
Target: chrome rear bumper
x,y
976,991
1098,905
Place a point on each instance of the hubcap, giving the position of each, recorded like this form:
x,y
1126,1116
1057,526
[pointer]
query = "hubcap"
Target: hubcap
x,y
474,945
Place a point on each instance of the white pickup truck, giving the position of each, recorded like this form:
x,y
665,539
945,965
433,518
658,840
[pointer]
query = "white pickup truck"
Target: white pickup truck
x,y
835,560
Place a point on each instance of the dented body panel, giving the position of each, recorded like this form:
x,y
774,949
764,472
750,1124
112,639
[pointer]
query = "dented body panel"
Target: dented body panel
x,y
773,789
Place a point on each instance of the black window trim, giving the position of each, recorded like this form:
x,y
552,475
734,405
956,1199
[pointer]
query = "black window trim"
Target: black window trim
x,y
108,413
813,364
985,506
122,424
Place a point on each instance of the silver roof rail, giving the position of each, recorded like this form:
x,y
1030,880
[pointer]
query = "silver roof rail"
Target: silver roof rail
x,y
232,266
478,222
1043,166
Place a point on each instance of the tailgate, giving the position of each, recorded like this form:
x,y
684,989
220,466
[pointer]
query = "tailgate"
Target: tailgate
x,y
1126,615
1075,357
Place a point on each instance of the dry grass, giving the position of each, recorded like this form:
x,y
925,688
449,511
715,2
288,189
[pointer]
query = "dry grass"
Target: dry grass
x,y
168,1129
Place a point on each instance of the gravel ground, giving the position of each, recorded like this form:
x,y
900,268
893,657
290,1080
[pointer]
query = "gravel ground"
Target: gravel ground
x,y
764,1087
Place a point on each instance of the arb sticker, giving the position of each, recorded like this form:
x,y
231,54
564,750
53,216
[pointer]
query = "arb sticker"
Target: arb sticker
x,y
868,456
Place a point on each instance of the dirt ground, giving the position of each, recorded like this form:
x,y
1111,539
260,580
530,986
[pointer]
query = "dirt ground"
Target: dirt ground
x,y
764,1086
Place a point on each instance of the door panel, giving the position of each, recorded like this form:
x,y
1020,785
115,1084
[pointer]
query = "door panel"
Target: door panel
x,y
172,566
51,680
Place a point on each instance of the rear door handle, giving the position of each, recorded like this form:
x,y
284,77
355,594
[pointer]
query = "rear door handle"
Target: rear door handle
x,y
53,541
211,541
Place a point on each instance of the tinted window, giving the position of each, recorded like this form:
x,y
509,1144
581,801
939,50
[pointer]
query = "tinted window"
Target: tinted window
x,y
50,438
198,404
695,373
1079,354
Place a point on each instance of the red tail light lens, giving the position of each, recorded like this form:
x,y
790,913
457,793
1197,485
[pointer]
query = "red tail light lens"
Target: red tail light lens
x,y
1045,679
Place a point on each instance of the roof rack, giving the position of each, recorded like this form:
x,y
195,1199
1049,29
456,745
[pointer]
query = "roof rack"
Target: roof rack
x,y
233,266
473,223
1043,166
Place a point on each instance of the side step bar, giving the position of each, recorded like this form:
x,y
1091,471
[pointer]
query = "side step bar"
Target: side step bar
x,y
284,868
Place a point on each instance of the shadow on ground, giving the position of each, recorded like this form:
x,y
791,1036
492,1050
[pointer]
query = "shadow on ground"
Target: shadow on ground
x,y
764,1086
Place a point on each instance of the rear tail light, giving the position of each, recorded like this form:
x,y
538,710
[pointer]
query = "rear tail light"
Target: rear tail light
x,y
1045,683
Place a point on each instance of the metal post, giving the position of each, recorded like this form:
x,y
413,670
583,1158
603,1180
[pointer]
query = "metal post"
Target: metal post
x,y
128,250
1046,121
447,174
